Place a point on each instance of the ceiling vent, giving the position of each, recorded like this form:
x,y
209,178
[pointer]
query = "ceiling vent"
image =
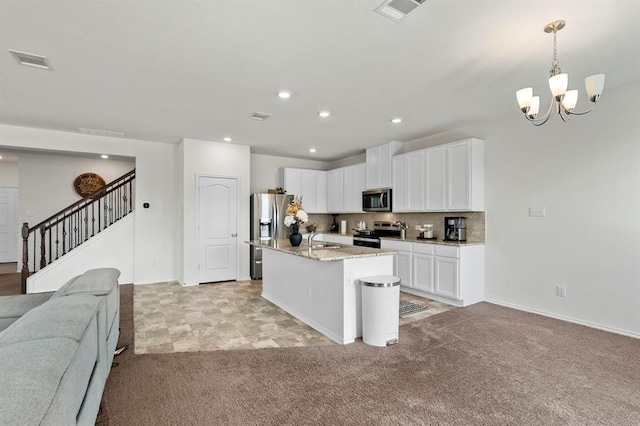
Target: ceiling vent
x,y
397,9
260,116
96,132
31,60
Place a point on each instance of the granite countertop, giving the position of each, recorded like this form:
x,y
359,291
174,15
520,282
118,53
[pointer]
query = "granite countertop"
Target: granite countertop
x,y
337,252
435,241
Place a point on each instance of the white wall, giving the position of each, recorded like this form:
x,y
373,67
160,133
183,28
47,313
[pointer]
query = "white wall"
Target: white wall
x,y
9,174
112,248
47,181
212,159
586,173
156,171
265,170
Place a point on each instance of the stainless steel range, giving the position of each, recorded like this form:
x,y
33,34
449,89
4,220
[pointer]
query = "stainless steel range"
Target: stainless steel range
x,y
371,237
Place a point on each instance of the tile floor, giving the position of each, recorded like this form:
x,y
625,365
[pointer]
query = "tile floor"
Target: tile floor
x,y
228,315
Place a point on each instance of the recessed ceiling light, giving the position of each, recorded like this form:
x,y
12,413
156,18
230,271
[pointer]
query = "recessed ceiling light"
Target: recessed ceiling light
x,y
228,139
284,94
0,157
396,120
312,150
104,156
324,114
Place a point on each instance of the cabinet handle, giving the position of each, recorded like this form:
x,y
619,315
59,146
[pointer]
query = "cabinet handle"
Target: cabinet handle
x,y
234,235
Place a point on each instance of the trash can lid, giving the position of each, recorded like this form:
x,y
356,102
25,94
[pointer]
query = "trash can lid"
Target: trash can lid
x,y
380,281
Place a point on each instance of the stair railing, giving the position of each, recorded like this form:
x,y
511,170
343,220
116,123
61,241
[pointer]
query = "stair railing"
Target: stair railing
x,y
70,227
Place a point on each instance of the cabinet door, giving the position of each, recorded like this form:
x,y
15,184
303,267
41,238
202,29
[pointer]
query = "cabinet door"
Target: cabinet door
x,y
458,176
400,184
446,277
308,190
423,272
415,181
373,168
292,181
321,192
353,187
402,268
435,179
335,191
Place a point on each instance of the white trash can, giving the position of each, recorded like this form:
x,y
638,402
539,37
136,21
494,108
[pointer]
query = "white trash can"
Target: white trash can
x,y
380,309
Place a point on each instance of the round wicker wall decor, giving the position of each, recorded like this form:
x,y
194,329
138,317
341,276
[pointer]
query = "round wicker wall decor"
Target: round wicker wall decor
x,y
88,183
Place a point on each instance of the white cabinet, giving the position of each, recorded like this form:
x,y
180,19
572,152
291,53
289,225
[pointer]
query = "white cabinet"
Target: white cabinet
x,y
443,178
402,261
344,189
450,274
335,191
423,264
378,164
408,182
311,185
353,187
465,175
435,178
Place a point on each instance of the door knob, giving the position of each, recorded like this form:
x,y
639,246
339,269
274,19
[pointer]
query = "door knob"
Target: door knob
x,y
234,235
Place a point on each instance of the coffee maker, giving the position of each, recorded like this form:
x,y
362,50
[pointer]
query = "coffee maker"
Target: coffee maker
x,y
455,229
334,224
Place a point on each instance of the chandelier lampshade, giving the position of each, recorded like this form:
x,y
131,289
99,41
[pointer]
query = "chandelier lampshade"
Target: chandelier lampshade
x,y
563,101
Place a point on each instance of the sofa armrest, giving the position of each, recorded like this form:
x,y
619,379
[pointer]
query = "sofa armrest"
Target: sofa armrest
x,y
18,305
13,307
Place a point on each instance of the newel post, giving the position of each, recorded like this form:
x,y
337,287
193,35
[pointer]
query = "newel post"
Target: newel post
x,y
25,258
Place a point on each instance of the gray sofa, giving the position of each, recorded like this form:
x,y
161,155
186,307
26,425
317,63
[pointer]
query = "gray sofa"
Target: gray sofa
x,y
56,351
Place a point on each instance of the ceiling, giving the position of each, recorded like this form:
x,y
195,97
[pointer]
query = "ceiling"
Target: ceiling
x,y
164,71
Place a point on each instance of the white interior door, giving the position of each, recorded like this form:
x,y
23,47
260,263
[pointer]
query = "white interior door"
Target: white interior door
x,y
218,229
8,225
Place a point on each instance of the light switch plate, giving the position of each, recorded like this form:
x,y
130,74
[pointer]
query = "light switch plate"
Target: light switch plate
x,y
536,211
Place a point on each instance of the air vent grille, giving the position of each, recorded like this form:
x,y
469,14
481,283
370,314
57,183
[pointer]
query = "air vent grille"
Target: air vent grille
x,y
96,132
397,9
260,116
31,60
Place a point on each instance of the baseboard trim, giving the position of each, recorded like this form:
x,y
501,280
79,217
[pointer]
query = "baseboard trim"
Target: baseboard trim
x,y
563,318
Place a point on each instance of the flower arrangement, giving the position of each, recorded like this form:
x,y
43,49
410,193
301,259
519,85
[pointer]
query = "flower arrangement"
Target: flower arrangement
x,y
295,215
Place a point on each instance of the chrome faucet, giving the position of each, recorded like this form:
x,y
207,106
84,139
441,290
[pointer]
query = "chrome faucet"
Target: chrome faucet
x,y
310,238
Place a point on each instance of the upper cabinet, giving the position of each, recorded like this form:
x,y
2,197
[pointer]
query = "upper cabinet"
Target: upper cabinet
x,y
311,185
465,175
408,182
344,188
378,165
442,178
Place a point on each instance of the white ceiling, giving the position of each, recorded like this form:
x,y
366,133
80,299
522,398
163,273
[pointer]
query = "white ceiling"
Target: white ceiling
x,y
167,70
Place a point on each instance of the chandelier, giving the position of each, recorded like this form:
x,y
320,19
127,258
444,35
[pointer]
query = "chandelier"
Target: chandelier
x,y
563,101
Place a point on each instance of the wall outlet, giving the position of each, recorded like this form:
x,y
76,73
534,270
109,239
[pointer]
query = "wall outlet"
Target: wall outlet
x,y
537,212
418,227
561,291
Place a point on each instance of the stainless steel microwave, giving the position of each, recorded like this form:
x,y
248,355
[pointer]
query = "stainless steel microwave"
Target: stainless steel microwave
x,y
376,200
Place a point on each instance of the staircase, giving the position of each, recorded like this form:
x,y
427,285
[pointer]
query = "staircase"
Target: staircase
x,y
69,228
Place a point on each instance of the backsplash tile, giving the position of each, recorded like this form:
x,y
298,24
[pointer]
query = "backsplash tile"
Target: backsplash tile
x,y
475,222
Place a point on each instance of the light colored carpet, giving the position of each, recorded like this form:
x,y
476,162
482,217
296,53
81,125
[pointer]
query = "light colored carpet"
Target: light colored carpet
x,y
480,365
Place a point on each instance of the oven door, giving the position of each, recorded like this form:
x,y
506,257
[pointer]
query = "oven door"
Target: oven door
x,y
366,242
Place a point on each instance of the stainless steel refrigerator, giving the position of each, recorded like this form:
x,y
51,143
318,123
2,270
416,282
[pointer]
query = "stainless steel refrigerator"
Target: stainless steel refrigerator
x,y
267,223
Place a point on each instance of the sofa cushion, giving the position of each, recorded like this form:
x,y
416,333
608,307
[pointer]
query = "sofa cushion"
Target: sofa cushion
x,y
64,317
98,282
30,375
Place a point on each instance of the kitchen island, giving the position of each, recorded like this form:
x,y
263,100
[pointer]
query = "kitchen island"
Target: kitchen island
x,y
320,285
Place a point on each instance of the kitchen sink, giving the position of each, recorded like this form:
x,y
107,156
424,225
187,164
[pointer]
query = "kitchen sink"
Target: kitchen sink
x,y
322,245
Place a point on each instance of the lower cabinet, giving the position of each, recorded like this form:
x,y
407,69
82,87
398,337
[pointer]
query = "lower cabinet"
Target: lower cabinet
x,y
450,274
